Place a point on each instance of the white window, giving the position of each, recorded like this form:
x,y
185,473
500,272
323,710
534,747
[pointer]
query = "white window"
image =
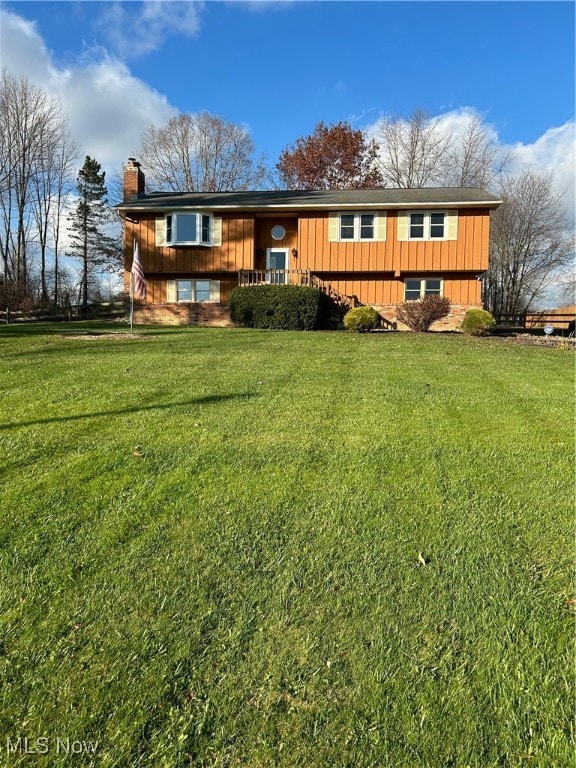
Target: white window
x,y
189,229
427,225
417,288
350,227
192,291
357,226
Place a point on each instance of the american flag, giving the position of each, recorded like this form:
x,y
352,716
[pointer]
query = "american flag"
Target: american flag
x,y
138,273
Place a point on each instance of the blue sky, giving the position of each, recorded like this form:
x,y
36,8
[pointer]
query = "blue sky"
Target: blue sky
x,y
280,68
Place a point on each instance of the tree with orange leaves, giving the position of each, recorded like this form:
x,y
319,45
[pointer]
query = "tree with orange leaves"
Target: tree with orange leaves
x,y
333,157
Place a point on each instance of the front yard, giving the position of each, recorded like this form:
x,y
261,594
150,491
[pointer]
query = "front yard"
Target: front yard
x,y
223,547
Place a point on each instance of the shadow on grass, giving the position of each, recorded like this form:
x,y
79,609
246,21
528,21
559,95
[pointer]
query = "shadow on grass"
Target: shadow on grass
x,y
70,329
207,399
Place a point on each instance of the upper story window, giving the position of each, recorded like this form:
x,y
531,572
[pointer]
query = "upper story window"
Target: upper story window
x,y
181,228
189,229
429,225
356,227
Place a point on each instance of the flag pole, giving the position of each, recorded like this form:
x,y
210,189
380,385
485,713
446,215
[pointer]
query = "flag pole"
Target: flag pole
x,y
132,293
137,281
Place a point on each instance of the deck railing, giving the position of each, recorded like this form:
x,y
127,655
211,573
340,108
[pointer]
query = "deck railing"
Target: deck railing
x,y
274,277
295,277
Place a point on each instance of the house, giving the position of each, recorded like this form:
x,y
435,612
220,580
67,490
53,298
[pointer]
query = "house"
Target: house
x,y
378,247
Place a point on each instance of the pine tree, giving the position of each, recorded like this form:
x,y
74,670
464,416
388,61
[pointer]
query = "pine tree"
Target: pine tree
x,y
89,242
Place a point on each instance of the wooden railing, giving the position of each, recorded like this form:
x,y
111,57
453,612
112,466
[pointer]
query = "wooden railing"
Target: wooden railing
x,y
341,299
562,321
273,277
559,320
295,277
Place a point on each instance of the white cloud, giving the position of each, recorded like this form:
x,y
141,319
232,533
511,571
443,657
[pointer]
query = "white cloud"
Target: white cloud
x,y
264,5
108,107
554,152
135,29
457,121
24,53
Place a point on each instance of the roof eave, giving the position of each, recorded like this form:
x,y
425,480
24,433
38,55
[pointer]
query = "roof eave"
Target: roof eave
x,y
174,205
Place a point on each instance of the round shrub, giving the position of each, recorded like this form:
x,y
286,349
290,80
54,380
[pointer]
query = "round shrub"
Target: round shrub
x,y
478,322
361,319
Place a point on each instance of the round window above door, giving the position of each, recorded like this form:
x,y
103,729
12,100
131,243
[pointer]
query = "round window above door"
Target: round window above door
x,y
278,232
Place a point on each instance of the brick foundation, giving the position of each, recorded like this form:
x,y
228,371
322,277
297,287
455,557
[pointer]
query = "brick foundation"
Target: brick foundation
x,y
449,323
208,314
183,314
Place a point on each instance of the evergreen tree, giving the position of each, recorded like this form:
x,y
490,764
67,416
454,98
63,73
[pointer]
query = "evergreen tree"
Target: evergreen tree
x,y
89,242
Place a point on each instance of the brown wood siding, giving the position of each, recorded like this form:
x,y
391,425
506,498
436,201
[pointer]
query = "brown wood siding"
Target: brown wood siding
x,y
366,270
156,287
264,237
468,252
386,289
236,251
265,240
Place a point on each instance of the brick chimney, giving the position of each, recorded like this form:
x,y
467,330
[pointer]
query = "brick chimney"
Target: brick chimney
x,y
133,180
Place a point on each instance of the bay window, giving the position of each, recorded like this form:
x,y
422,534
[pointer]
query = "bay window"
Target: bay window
x,y
189,229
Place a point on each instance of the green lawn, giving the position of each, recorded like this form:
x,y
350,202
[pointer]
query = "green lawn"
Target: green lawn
x,y
243,548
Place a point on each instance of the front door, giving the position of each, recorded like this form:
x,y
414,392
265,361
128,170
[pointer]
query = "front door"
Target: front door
x,y
277,265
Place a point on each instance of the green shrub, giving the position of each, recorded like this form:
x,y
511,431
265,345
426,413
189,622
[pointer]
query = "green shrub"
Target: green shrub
x,y
478,322
361,319
419,315
280,307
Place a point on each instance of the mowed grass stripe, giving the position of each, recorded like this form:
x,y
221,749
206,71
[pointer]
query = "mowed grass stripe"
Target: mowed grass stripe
x,y
226,547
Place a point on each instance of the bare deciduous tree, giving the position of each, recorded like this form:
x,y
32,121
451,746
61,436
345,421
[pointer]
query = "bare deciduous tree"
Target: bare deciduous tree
x,y
35,154
422,151
473,158
412,151
530,241
25,110
200,153
51,188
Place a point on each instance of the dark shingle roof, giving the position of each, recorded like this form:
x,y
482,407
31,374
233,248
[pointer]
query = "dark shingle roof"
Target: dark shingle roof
x,y
354,198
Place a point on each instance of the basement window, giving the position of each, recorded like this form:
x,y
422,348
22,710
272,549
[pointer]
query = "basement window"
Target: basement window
x,y
189,229
417,288
196,290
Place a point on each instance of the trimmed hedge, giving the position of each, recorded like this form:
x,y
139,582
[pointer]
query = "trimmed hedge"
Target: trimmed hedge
x,y
280,307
